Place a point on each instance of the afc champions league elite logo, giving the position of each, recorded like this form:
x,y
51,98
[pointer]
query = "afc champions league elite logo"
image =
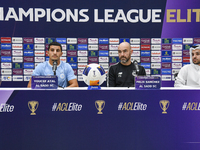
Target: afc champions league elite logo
x,y
100,104
33,105
164,105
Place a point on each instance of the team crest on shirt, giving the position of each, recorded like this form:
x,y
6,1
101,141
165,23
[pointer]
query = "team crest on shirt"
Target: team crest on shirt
x,y
62,76
120,74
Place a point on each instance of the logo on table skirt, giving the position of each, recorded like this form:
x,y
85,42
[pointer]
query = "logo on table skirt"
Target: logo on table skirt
x,y
33,106
100,104
132,106
164,105
192,106
67,107
6,108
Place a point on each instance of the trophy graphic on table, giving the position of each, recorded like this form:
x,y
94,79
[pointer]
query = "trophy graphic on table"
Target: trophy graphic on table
x,y
100,104
33,105
164,105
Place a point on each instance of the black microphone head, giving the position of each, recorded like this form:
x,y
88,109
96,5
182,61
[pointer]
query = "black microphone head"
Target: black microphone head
x,y
55,62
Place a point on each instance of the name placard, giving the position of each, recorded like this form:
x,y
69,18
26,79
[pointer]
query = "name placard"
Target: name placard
x,y
145,83
44,82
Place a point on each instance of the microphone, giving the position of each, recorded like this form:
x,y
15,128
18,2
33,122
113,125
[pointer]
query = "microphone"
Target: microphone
x,y
136,66
54,67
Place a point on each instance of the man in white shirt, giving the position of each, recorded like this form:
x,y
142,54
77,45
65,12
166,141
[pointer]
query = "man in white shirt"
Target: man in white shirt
x,y
189,75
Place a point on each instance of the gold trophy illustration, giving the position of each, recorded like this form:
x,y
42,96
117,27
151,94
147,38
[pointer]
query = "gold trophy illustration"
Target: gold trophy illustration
x,y
100,104
164,105
33,105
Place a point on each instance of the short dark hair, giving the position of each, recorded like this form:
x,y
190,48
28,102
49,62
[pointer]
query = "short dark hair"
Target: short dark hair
x,y
55,43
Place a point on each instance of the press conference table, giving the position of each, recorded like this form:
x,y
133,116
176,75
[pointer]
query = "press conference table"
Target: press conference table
x,y
106,119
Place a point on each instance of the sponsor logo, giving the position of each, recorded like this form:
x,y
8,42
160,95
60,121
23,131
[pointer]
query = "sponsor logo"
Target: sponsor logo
x,y
166,47
92,40
187,40
187,47
5,52
145,59
166,59
148,71
73,65
6,78
166,53
82,53
175,71
27,78
6,108
113,59
155,47
114,41
135,47
155,71
28,71
36,64
166,41
176,53
82,47
39,46
28,46
66,107
104,65
164,105
33,106
17,72
103,59
103,53
185,64
186,59
82,41
64,53
64,46
124,40
166,71
82,59
103,47
103,41
135,41
49,40
156,65
17,65
135,53
71,47
177,47
196,40
71,40
145,65
156,41
17,78
6,46
39,40
72,53
6,71
63,59
17,46
71,59
39,53
186,53
28,65
17,53
93,53
75,71
61,40
80,78
176,65
92,59
176,59
113,47
145,53
28,40
28,53
5,39
5,59
145,40
80,71
132,106
145,47
93,47
100,104
82,65
191,106
177,41
166,78
155,59
6,65
155,53
28,59
17,40
166,65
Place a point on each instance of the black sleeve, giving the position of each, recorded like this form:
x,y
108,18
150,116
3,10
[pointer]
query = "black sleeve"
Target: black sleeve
x,y
111,79
142,71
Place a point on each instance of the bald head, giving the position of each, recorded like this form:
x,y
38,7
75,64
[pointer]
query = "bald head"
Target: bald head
x,y
124,52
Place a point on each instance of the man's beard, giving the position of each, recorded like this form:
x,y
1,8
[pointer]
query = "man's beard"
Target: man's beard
x,y
125,60
197,62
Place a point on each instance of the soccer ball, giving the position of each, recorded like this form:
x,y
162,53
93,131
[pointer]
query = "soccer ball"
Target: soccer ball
x,y
94,75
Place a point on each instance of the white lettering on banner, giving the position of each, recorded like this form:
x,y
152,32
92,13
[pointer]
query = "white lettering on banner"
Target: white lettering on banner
x,y
59,15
